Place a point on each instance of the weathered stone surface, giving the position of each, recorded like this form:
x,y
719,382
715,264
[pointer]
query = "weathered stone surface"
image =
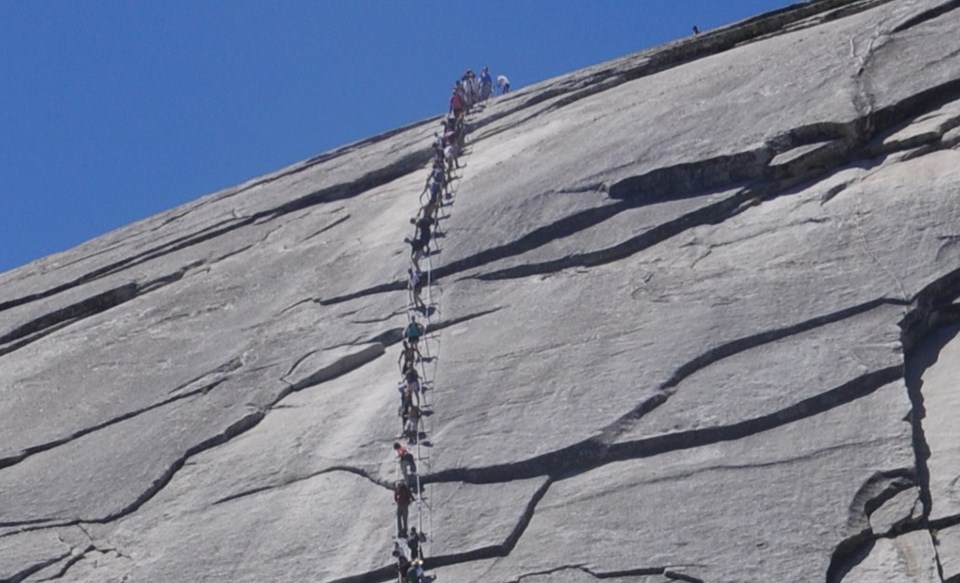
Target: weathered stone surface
x,y
906,558
948,551
940,387
692,319
622,516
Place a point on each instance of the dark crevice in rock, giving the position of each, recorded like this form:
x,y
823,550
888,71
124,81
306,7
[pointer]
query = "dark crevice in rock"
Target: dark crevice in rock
x,y
933,310
812,152
934,307
625,573
300,303
21,575
243,425
381,320
844,143
748,342
710,214
387,484
33,450
330,372
589,454
927,15
692,179
877,490
76,558
377,289
848,554
389,173
47,324
729,349
336,369
339,221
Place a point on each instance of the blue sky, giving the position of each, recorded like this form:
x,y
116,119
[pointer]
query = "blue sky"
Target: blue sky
x,y
114,110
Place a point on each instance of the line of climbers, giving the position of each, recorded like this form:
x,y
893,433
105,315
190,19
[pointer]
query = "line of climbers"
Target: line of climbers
x,y
468,92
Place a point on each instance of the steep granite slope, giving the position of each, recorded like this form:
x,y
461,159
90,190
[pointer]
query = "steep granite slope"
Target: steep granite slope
x,y
695,320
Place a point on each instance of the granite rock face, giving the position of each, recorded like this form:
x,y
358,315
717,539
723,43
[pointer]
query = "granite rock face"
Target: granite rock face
x,y
694,318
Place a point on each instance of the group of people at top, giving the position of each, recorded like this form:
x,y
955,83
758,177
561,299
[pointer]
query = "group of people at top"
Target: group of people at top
x,y
471,89
447,146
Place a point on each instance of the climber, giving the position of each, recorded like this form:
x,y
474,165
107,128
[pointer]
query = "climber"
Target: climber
x,y
432,208
411,428
415,571
450,155
413,542
416,287
406,402
456,103
398,551
436,181
417,251
504,84
696,29
408,466
486,84
409,355
403,565
403,497
413,332
412,387
424,229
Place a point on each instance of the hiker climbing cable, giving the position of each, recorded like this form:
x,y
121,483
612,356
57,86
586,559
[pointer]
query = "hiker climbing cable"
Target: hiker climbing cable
x,y
486,84
417,251
408,466
424,229
413,543
403,498
411,428
456,103
504,84
415,571
415,283
409,355
403,565
413,387
413,332
448,145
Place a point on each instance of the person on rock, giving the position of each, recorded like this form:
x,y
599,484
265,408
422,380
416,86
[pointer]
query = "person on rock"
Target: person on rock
x,y
413,332
486,84
409,355
415,285
413,543
412,575
406,405
397,551
432,207
450,156
408,466
412,385
504,84
456,103
424,229
411,428
417,251
403,565
403,498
